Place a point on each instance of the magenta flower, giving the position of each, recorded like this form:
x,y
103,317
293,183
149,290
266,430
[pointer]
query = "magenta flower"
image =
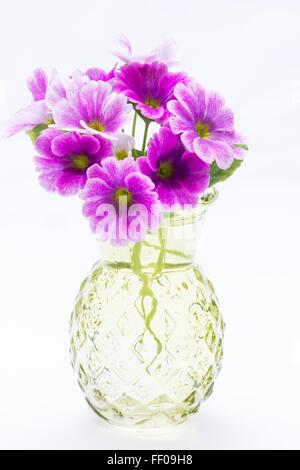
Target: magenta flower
x,y
206,126
179,176
37,112
65,158
92,108
150,86
120,201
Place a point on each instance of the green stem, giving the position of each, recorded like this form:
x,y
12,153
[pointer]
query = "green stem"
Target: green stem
x,y
162,251
147,124
170,252
145,292
134,124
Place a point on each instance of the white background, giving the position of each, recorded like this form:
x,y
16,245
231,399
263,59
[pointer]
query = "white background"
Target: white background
x,y
250,52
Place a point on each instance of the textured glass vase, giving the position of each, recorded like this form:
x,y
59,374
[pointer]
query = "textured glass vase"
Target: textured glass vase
x,y
146,331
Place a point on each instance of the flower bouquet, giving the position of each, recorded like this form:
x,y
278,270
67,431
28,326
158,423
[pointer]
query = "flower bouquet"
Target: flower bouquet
x,y
146,331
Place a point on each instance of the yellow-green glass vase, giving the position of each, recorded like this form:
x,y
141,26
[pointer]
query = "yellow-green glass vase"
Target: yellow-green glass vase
x,y
146,331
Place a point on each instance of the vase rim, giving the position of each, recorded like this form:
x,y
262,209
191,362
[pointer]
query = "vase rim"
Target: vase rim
x,y
192,215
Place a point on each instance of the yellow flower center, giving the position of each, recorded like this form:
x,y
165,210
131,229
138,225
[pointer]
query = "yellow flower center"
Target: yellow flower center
x,y
124,195
152,102
81,162
96,125
49,121
121,154
165,170
203,130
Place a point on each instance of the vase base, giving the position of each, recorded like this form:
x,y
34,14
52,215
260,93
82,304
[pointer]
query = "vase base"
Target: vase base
x,y
154,421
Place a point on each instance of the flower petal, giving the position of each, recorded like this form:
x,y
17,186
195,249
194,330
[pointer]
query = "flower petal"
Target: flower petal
x,y
93,97
97,74
65,144
144,167
55,91
149,112
37,84
214,105
204,149
188,99
43,142
66,116
187,139
137,182
28,118
195,174
116,113
224,120
69,184
224,154
180,112
178,125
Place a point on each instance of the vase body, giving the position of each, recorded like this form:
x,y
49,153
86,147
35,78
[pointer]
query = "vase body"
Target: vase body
x,y
146,331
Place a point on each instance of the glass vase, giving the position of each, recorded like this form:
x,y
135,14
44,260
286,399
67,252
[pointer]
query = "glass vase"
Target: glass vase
x,y
146,331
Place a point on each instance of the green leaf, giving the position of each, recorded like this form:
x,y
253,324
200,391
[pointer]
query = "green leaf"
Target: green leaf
x,y
217,175
36,132
242,146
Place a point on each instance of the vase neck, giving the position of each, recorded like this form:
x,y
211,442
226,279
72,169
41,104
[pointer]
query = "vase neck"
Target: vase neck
x,y
156,253
173,245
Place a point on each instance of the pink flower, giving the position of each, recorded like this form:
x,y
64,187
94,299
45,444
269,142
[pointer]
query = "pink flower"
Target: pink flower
x,y
206,126
37,112
120,201
64,159
150,86
47,94
92,108
179,176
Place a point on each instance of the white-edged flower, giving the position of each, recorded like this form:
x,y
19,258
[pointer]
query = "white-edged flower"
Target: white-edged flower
x,y
123,146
